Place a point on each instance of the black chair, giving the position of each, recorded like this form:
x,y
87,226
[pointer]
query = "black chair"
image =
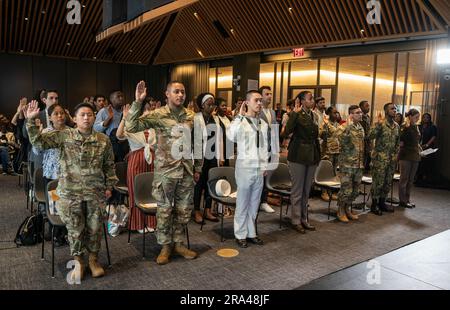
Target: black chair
x,y
121,187
39,188
142,199
325,178
56,221
215,174
279,182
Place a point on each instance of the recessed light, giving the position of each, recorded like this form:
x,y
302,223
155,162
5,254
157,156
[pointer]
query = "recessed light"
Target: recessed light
x,y
83,5
362,30
196,15
140,62
94,58
68,44
43,12
21,51
131,51
200,53
26,18
290,10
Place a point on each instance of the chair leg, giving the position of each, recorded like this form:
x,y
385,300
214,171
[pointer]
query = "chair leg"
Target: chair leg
x,y
43,240
392,197
143,236
129,225
221,228
28,197
53,252
203,216
329,204
106,244
281,211
187,236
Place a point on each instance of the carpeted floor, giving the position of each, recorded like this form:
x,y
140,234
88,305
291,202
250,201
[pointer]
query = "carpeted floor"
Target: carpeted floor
x,y
286,261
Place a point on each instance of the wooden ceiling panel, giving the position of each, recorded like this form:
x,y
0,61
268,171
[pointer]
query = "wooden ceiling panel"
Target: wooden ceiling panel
x,y
39,27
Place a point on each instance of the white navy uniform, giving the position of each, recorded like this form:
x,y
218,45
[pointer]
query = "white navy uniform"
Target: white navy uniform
x,y
252,138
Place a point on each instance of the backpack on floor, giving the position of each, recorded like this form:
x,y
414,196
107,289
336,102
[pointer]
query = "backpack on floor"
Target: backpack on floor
x,y
30,231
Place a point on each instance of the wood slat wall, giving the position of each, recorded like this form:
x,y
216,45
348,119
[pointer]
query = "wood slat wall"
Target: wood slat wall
x,y
253,25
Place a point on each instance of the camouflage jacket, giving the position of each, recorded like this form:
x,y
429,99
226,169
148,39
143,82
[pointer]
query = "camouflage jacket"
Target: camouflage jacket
x,y
173,151
387,141
87,163
351,141
330,142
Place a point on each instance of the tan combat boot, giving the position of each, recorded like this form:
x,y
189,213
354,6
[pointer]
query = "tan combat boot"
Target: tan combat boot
x,y
96,269
164,255
349,214
78,271
341,214
180,249
325,196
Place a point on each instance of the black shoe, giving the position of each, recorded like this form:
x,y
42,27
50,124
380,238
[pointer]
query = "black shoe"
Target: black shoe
x,y
308,226
411,205
242,243
374,208
384,207
299,228
406,205
256,240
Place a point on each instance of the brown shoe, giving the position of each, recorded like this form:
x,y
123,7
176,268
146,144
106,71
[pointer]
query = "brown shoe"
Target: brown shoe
x,y
349,214
181,250
164,255
198,218
341,216
96,269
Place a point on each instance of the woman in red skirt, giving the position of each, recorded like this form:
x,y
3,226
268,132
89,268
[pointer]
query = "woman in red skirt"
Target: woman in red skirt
x,y
140,159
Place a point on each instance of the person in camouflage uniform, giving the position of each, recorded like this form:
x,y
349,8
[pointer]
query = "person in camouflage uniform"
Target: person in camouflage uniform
x,y
385,134
365,122
330,143
351,162
87,176
173,184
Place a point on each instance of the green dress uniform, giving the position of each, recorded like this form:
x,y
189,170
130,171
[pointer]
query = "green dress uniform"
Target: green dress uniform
x,y
303,157
384,157
87,171
173,184
351,161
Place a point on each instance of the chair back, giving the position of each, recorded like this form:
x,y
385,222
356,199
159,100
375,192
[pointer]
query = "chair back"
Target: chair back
x,y
217,173
121,173
143,188
325,172
279,179
52,185
39,185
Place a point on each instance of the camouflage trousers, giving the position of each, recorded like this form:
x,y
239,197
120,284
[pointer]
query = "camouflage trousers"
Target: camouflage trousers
x,y
382,174
84,223
350,181
174,198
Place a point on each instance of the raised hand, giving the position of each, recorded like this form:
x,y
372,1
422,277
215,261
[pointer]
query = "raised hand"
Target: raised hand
x,y
141,92
22,103
297,108
33,110
110,112
125,110
243,108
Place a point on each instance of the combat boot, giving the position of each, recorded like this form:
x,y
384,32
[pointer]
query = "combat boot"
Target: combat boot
x,y
78,271
374,208
164,255
180,249
96,269
349,213
341,216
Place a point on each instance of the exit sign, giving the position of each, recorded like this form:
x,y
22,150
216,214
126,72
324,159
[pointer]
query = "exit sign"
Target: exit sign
x,y
298,52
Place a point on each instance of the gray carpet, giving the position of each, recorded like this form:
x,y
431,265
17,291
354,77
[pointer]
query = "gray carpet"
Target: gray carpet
x,y
287,260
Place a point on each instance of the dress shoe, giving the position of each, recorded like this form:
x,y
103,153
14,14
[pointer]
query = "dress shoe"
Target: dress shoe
x,y
308,226
384,207
375,209
411,204
211,218
299,228
256,240
406,205
266,208
242,243
198,218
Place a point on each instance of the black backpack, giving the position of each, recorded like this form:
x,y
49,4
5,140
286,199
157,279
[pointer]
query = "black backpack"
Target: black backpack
x,y
30,231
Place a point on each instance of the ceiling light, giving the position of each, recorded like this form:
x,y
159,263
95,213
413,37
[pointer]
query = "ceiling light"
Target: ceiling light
x,y
43,12
26,18
94,58
362,30
68,43
443,56
200,53
290,10
131,51
196,15
21,51
84,5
